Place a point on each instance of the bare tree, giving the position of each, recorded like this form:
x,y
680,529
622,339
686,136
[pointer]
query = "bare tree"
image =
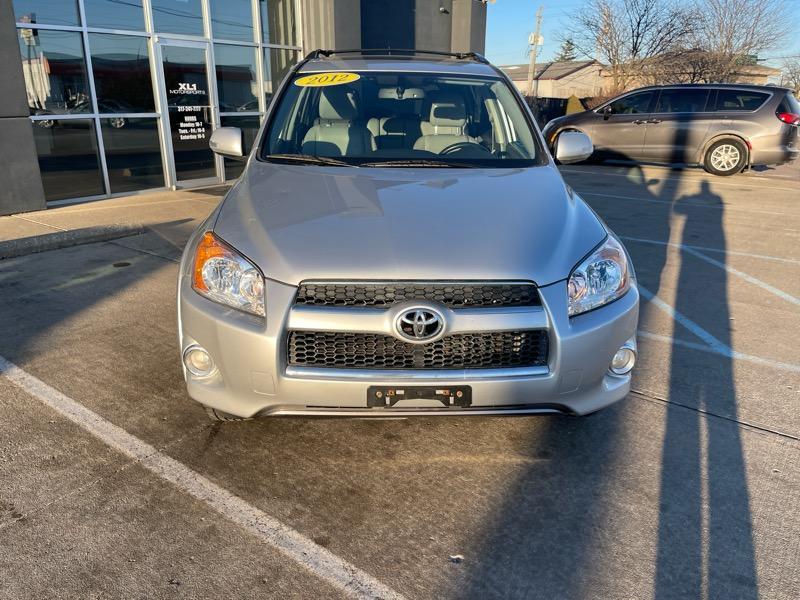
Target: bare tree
x,y
631,35
730,33
790,76
678,41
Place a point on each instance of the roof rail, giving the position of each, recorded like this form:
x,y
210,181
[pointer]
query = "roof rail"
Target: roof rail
x,y
319,52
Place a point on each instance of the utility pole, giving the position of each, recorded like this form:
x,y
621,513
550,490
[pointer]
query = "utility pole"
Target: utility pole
x,y
534,50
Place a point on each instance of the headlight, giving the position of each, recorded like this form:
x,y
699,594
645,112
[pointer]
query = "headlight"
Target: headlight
x,y
600,279
223,275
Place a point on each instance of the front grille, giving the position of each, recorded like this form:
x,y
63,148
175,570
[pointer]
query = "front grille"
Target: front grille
x,y
453,294
490,350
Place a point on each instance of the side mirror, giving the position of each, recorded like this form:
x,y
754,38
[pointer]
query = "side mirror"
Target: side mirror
x,y
606,112
228,142
572,147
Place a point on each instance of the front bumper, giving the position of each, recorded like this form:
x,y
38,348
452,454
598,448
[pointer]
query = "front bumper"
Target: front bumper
x,y
253,378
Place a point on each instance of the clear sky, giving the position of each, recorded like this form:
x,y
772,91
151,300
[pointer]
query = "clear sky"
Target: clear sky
x,y
510,21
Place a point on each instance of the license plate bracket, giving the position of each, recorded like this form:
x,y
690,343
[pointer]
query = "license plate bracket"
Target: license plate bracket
x,y
386,396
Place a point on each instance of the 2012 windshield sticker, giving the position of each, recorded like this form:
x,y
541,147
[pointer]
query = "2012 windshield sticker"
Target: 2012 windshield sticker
x,y
324,79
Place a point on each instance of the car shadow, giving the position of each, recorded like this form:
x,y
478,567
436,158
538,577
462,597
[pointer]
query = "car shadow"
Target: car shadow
x,y
71,280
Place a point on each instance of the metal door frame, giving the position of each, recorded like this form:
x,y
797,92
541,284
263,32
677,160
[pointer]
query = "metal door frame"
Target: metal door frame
x,y
166,130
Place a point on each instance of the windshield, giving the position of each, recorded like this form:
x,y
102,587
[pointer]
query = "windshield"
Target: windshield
x,y
399,119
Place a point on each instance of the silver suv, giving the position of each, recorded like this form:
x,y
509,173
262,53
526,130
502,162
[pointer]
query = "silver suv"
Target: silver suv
x,y
725,128
401,243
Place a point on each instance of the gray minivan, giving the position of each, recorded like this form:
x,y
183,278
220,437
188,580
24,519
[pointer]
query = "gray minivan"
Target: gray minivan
x,y
724,127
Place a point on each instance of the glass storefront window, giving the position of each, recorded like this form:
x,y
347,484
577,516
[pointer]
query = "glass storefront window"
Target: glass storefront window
x,y
278,22
54,69
121,69
249,127
113,14
50,12
236,78
277,62
133,154
57,81
232,20
178,16
68,158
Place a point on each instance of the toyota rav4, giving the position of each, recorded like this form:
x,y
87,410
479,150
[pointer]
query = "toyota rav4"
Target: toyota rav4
x,y
401,243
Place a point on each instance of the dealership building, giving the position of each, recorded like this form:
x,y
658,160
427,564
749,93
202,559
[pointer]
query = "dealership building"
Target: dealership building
x,y
110,97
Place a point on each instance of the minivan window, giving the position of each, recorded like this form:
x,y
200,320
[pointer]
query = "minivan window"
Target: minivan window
x,y
682,101
633,104
789,104
743,100
382,119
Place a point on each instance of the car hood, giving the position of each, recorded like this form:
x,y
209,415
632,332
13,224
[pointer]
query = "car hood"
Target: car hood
x,y
299,222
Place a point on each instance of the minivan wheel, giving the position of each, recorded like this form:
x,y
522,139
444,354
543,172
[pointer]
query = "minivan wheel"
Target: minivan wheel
x,y
725,157
218,415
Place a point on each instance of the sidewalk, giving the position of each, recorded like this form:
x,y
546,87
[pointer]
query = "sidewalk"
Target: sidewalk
x,y
170,216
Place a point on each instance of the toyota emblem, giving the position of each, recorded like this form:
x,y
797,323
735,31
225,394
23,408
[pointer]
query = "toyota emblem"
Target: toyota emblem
x,y
420,324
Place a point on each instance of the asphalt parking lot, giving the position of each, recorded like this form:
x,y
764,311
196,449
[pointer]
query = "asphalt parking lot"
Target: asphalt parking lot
x,y
114,485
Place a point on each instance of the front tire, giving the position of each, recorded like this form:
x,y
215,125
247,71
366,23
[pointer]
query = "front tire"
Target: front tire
x,y
218,415
725,157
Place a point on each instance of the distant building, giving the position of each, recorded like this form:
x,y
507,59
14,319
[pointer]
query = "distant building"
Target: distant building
x,y
560,79
758,75
588,78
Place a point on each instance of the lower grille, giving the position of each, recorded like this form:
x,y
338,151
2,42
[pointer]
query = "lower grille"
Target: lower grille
x,y
489,350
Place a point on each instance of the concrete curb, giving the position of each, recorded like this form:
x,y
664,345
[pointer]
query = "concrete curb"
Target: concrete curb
x,y
65,239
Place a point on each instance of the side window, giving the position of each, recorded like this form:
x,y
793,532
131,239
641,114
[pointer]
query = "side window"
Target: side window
x,y
631,105
682,101
740,100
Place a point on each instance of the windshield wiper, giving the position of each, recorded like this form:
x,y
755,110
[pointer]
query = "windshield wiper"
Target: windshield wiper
x,y
419,162
308,159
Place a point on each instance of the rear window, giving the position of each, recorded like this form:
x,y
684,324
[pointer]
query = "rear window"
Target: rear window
x,y
789,104
742,100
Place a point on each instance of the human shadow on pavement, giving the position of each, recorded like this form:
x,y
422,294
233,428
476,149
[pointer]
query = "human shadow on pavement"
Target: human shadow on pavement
x,y
705,537
565,529
555,535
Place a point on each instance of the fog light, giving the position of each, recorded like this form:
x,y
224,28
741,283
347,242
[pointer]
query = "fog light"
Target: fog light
x,y
623,361
198,362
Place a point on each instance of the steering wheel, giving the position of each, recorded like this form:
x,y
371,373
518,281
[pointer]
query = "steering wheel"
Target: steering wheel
x,y
459,146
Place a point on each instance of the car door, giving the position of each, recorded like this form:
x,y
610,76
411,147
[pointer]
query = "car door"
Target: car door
x,y
620,131
678,125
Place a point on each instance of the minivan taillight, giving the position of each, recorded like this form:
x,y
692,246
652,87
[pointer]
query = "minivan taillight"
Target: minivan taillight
x,y
790,118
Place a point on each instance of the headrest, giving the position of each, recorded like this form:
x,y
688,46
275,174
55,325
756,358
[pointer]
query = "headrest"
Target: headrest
x,y
337,103
447,110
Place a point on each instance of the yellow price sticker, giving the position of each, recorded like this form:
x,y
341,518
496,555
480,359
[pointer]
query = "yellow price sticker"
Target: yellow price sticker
x,y
323,79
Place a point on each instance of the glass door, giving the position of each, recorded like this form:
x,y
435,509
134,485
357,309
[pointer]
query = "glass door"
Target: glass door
x,y
188,99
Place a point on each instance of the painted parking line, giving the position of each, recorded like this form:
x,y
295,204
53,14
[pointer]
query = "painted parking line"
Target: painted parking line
x,y
748,278
682,178
741,274
685,204
329,567
707,249
759,360
712,343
